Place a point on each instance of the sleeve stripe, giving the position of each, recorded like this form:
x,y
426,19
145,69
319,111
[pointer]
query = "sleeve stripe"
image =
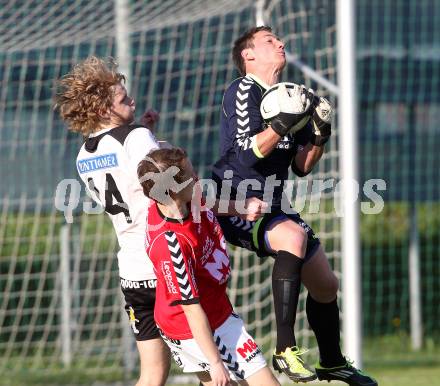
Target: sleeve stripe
x,y
185,302
255,148
179,266
241,104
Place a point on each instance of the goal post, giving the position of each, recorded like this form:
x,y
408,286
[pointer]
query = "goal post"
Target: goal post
x,y
350,245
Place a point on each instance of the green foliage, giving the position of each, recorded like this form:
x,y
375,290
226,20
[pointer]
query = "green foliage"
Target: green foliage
x,y
391,226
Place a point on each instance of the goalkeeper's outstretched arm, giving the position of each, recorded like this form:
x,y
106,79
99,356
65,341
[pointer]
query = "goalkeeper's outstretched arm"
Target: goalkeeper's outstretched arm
x,y
306,159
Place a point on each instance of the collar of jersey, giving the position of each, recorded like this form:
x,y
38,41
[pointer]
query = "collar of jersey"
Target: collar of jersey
x,y
170,219
102,131
258,80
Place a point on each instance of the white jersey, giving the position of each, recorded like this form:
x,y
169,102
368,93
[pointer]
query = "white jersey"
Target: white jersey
x,y
107,164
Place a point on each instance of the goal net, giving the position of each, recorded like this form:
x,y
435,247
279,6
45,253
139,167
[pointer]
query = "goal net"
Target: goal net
x,y
60,304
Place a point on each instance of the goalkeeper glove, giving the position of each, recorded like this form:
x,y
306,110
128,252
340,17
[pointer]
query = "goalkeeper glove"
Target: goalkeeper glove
x,y
321,118
286,107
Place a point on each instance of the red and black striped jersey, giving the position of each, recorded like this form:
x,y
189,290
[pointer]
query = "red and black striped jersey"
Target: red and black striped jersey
x,y
191,265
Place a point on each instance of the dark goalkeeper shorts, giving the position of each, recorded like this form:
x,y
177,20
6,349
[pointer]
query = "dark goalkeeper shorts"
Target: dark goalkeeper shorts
x,y
139,305
251,234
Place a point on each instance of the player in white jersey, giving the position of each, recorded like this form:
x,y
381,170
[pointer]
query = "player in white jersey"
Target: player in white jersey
x,y
92,100
107,164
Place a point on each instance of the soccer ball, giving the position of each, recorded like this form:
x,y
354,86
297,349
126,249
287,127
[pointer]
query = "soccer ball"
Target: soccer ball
x,y
288,98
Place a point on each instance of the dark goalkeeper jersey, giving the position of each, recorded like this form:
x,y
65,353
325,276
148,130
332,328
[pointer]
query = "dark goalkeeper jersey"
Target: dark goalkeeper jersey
x,y
240,159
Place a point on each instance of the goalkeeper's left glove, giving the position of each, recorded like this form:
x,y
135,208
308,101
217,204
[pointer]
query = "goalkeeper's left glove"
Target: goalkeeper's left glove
x,y
321,118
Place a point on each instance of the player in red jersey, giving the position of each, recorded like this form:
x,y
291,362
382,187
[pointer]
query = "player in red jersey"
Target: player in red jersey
x,y
192,310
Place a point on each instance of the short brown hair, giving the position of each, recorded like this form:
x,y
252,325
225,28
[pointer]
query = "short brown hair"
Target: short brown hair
x,y
156,163
86,92
243,42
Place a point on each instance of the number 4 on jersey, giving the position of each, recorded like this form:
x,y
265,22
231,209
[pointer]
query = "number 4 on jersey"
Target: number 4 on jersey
x,y
110,192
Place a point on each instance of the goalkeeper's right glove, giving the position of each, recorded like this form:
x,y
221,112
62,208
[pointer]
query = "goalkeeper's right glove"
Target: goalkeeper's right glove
x,y
286,107
321,118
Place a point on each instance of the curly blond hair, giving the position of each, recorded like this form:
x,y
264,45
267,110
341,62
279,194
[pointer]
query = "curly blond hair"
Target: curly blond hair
x,y
86,92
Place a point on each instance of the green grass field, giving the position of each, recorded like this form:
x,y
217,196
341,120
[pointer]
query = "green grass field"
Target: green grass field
x,y
388,359
393,363
404,375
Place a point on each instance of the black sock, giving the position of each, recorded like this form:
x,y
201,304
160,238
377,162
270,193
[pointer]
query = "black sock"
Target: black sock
x,y
324,321
286,283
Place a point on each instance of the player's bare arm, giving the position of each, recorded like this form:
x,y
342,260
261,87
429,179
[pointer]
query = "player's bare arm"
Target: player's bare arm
x,y
199,325
267,141
308,157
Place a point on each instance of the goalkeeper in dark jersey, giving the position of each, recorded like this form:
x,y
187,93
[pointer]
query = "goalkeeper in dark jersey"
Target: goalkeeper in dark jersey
x,y
256,155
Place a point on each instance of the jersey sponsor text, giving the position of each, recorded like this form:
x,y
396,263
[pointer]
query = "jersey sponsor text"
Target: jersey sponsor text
x,y
168,277
104,161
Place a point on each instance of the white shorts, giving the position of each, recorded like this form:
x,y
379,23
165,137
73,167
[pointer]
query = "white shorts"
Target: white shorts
x,y
238,350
